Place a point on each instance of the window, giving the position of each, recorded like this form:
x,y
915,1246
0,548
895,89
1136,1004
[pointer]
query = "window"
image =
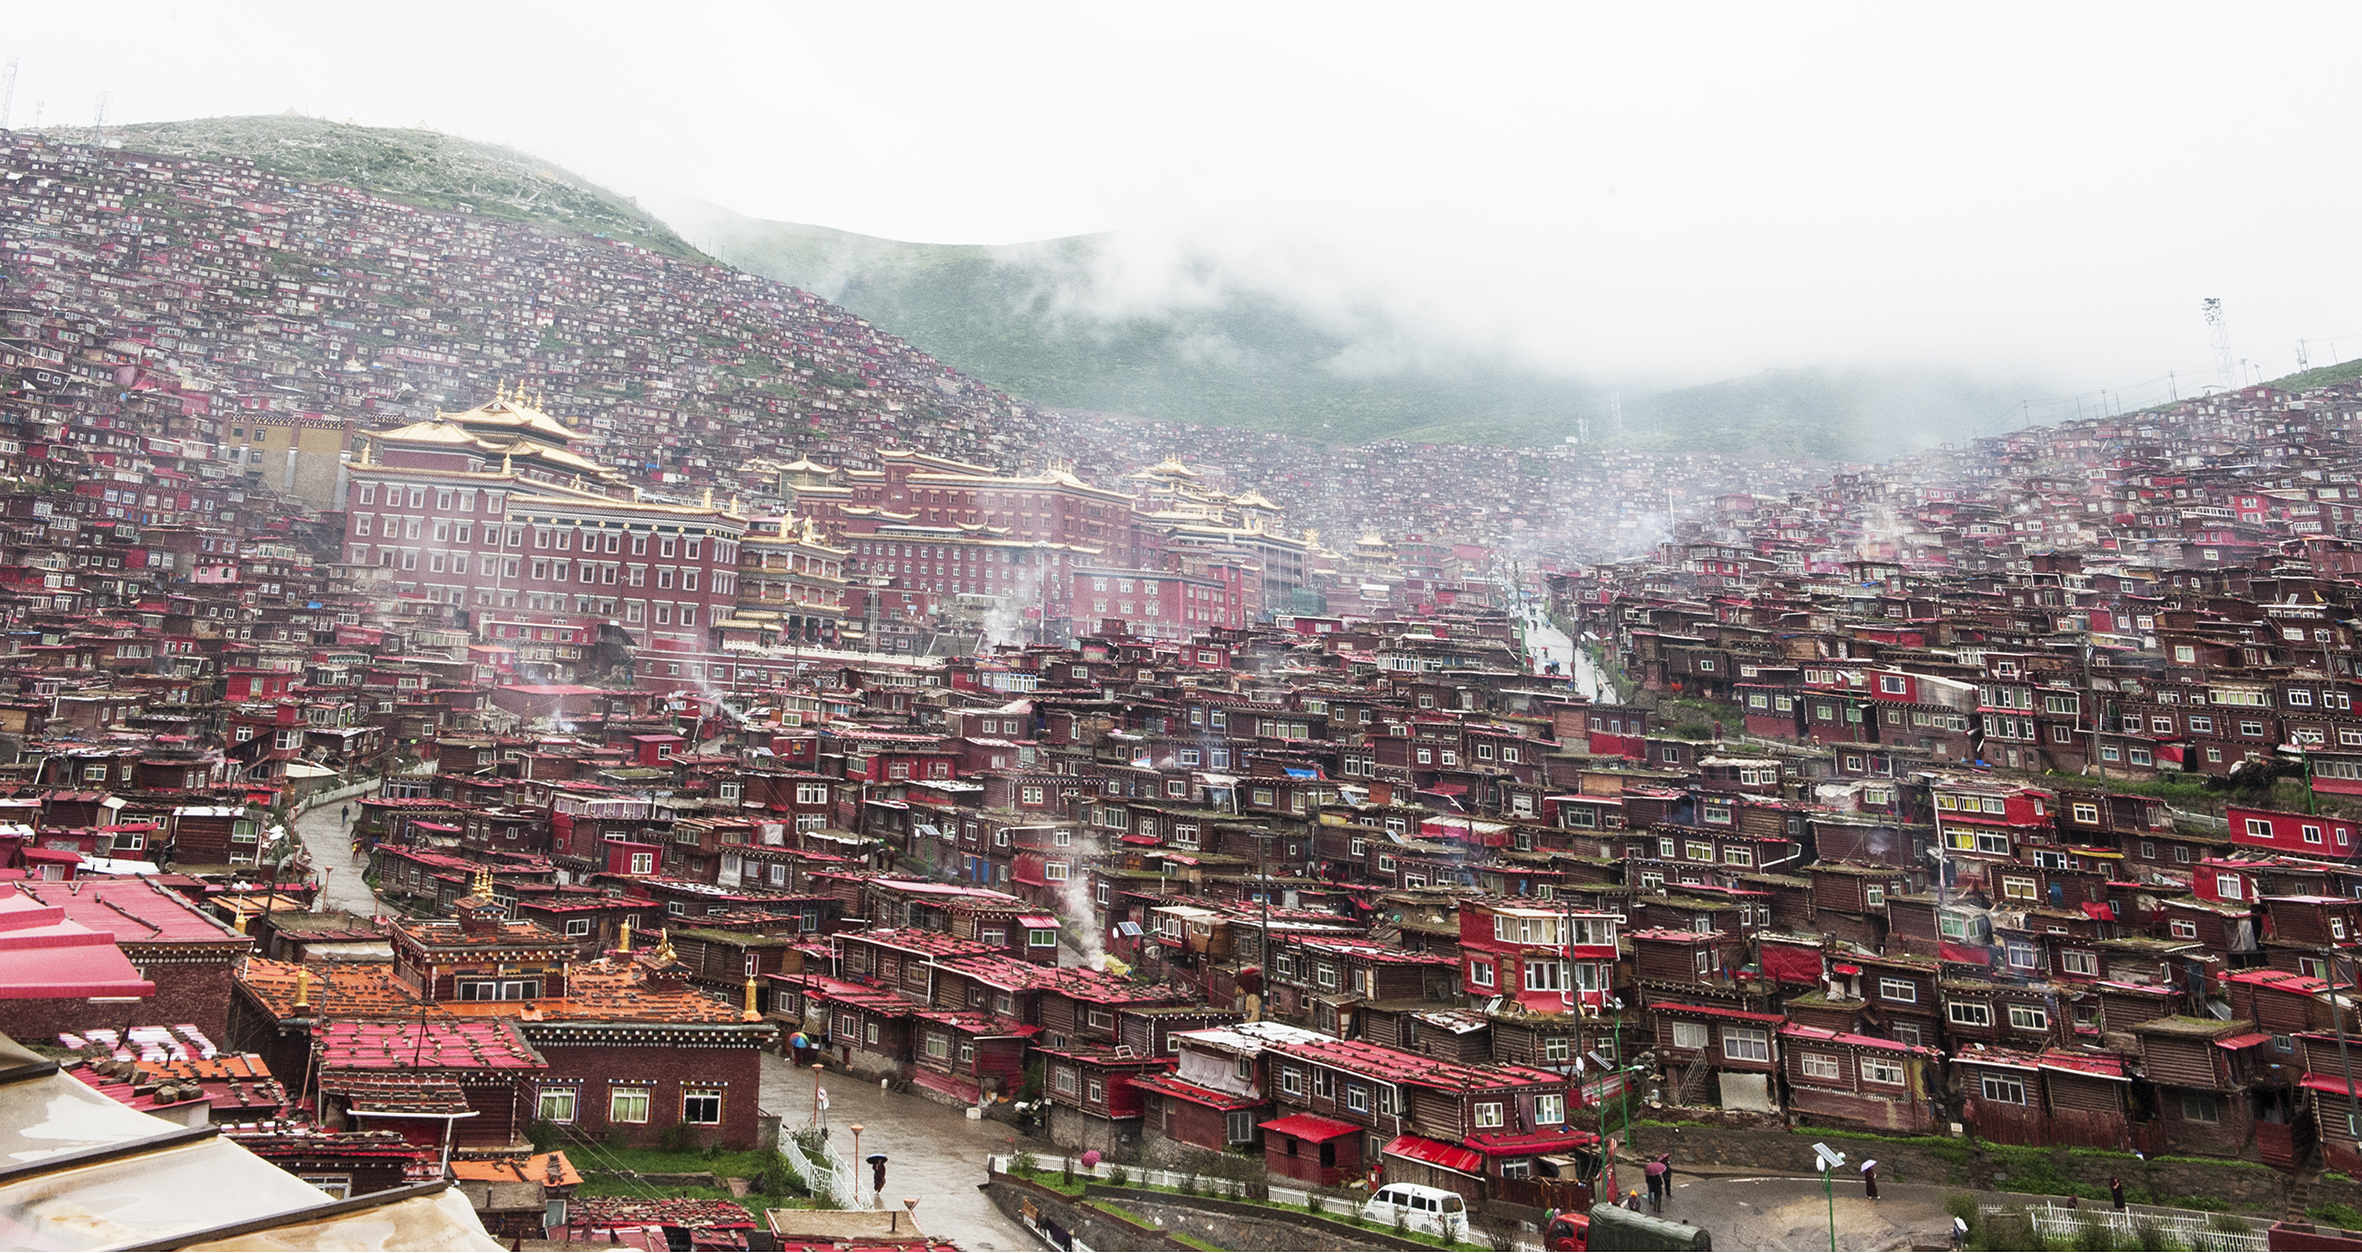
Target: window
x,y
2201,1107
1488,1114
1901,991
701,1108
627,1105
1970,1014
2227,887
2004,1091
1689,1035
1874,897
1357,1098
2184,929
1480,974
1819,1066
2029,1018
1291,1081
1549,1110
578,927
2079,962
1746,1044
557,1105
1876,1071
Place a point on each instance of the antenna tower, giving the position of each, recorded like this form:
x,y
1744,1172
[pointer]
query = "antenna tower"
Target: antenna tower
x,y
2219,334
7,90
98,110
1615,410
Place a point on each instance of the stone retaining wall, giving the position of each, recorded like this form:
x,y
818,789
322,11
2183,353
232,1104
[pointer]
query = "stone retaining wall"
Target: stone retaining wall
x,y
2247,1187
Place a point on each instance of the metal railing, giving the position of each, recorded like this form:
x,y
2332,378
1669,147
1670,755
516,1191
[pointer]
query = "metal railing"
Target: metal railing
x,y
826,1171
2058,1222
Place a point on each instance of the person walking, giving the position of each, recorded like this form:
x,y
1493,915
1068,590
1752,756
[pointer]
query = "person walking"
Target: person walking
x,y
1870,1178
877,1177
344,816
1660,1177
2116,1192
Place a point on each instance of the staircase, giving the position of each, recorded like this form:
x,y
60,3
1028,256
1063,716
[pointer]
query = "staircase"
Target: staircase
x,y
2300,1188
1693,1082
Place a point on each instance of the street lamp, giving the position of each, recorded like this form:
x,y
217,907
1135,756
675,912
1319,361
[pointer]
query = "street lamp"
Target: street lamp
x,y
1830,1160
819,1096
856,1130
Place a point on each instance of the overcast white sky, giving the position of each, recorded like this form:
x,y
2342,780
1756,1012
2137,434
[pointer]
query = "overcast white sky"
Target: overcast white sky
x,y
1672,191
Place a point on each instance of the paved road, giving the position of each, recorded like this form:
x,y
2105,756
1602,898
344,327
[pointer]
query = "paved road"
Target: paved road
x,y
1789,1213
326,838
933,1152
1548,643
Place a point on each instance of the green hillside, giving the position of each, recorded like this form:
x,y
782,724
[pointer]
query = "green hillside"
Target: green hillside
x,y
1019,318
418,167
2319,376
1023,318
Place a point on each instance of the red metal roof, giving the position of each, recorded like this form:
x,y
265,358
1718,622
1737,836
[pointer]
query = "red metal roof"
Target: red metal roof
x,y
1547,1141
1310,1127
1182,1089
1798,1031
1717,1011
480,1044
2247,1041
2327,1083
1436,1153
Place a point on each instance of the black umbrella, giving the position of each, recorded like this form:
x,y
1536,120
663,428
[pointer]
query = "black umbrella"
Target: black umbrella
x,y
875,1159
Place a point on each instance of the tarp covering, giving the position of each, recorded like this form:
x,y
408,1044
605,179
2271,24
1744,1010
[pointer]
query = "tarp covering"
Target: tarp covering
x,y
1791,963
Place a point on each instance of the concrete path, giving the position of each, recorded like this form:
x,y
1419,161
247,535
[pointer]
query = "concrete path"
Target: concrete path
x,y
933,1152
1793,1213
329,841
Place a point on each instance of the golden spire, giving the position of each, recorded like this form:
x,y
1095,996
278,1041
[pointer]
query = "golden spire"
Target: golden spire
x,y
623,939
664,954
483,884
752,1014
504,464
303,987
537,398
709,499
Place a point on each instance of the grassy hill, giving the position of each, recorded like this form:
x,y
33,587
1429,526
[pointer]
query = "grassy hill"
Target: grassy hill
x,y
2319,376
1030,319
1022,317
424,168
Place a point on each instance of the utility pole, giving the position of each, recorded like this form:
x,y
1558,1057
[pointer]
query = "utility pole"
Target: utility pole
x,y
2219,336
7,90
2337,1018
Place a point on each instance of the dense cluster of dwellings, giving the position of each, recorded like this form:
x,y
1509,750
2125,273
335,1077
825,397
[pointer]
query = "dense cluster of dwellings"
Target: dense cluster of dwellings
x,y
1238,841
195,331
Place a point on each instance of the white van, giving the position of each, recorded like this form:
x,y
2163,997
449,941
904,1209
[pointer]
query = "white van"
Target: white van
x,y
1421,1208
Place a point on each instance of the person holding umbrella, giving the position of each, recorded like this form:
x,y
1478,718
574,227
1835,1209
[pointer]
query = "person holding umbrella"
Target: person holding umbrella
x,y
1660,1180
877,1176
1870,1178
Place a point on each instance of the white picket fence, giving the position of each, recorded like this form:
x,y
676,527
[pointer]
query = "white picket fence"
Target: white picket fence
x,y
829,1174
2061,1223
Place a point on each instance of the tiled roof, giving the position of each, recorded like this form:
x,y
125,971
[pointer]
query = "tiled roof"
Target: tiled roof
x,y
435,1044
372,1093
600,991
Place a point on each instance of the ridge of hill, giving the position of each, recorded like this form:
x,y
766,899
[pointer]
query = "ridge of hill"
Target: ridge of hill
x,y
414,166
166,307
1037,320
